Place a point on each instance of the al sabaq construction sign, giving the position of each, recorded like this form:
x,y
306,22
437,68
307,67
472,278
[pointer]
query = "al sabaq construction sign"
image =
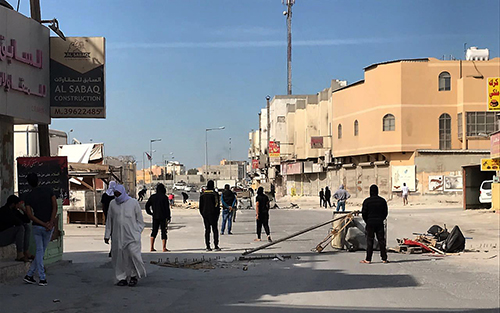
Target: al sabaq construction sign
x,y
77,77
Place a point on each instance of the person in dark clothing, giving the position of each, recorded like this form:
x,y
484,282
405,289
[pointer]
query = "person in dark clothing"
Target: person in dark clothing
x,y
185,197
321,197
210,210
374,212
12,230
262,214
328,196
161,215
228,200
107,197
142,193
41,207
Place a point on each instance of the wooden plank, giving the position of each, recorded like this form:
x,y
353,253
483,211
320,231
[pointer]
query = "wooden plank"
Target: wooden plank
x,y
86,167
83,183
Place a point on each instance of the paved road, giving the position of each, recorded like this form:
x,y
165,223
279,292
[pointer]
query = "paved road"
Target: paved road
x,y
309,282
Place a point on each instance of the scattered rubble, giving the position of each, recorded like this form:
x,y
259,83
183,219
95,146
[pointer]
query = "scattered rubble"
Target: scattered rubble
x,y
217,262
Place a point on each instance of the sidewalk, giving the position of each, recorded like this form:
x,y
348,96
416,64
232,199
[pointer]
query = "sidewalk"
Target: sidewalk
x,y
308,202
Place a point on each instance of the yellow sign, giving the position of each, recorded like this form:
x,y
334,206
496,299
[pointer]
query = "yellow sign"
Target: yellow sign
x,y
490,165
493,94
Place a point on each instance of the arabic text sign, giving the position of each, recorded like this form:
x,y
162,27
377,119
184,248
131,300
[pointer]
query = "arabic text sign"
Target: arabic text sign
x,y
77,68
51,171
274,148
436,183
24,70
493,94
490,165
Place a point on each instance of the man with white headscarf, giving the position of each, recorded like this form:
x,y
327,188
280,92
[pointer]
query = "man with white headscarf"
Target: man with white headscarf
x,y
107,197
124,226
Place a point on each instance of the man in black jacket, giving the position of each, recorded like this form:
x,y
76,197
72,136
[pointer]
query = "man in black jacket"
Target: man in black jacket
x,y
210,210
11,228
161,215
374,213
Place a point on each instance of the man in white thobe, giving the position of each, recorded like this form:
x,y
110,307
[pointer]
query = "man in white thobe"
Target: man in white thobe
x,y
124,226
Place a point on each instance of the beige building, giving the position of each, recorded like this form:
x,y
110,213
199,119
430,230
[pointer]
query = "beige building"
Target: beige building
x,y
414,121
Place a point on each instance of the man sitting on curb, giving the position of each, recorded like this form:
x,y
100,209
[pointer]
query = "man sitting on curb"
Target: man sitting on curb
x,y
12,230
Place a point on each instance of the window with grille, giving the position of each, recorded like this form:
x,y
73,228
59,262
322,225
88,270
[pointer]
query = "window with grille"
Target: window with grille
x,y
444,81
356,128
445,132
481,124
339,131
460,125
389,123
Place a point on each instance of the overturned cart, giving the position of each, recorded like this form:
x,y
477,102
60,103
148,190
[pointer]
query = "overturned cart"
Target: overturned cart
x,y
339,225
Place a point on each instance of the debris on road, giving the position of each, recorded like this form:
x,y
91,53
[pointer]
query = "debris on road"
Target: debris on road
x,y
218,262
436,240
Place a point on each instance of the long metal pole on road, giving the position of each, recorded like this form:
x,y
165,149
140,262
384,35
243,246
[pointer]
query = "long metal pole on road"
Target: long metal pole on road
x,y
298,233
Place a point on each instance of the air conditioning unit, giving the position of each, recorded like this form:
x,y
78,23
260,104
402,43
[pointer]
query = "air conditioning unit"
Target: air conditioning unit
x,y
328,156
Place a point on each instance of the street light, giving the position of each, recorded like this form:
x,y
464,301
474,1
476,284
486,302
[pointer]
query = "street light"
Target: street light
x,y
151,155
206,145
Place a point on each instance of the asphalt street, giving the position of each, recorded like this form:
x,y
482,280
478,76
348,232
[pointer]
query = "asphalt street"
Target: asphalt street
x,y
332,281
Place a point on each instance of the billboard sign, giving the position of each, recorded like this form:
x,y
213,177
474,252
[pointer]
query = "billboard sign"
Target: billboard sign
x,y
490,165
453,183
495,146
436,183
403,174
24,68
493,94
274,149
316,142
52,172
255,164
77,77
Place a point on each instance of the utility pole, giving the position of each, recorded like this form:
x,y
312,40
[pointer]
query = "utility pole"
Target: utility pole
x,y
43,129
268,136
288,14
230,173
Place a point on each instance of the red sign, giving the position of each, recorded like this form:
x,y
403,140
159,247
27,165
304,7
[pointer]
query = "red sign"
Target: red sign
x,y
255,164
316,142
495,146
274,149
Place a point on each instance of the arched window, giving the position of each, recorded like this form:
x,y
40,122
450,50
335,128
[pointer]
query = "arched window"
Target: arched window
x,y
389,123
339,131
356,128
444,81
445,132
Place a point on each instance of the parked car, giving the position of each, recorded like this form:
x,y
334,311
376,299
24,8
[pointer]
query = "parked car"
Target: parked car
x,y
179,186
189,188
485,191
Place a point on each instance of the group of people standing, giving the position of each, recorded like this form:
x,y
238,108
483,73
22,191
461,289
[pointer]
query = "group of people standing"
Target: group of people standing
x,y
210,209
341,195
34,214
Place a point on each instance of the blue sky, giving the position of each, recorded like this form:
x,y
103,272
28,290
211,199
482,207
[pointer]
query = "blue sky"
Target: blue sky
x,y
176,67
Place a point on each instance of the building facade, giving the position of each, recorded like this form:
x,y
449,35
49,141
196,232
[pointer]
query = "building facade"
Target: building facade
x,y
413,121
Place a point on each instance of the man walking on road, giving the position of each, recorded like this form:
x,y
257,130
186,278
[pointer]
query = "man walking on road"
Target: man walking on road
x,y
262,214
328,195
341,196
210,210
161,215
321,197
406,191
124,227
228,200
374,212
41,208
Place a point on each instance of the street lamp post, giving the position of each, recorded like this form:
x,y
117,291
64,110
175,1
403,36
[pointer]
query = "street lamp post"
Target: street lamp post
x,y
230,173
206,145
268,134
151,155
